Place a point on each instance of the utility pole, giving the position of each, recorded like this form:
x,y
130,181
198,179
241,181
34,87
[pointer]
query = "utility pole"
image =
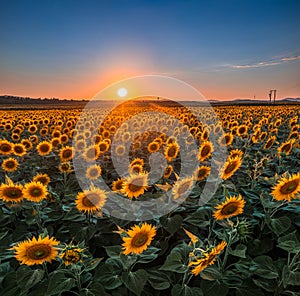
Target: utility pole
x,y
272,91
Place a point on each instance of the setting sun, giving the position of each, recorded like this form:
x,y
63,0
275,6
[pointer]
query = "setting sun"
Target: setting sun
x,y
122,92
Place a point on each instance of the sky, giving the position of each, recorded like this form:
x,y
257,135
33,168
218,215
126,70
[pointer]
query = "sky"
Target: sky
x,y
72,49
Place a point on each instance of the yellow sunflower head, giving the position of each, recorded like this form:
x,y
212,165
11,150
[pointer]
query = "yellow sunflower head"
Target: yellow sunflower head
x,y
202,172
10,164
232,206
287,188
10,192
93,172
66,153
182,187
138,239
171,151
19,149
35,191
205,150
230,167
36,251
43,178
91,201
135,185
117,185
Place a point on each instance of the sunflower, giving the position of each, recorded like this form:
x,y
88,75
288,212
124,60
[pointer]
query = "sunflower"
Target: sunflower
x,y
182,187
208,258
205,150
19,149
65,167
269,143
103,146
91,201
225,140
11,192
80,145
286,147
66,153
36,251
232,206
93,172
27,144
287,188
10,164
44,148
153,147
168,171
33,139
135,169
43,178
35,191
201,172
135,185
242,130
71,254
120,150
6,147
230,167
171,151
118,185
236,153
138,238
91,153
139,161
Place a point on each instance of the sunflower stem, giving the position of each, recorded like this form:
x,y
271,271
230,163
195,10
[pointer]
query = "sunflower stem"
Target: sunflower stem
x,y
45,269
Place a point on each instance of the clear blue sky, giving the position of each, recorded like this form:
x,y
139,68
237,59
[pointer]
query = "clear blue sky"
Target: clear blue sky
x,y
226,49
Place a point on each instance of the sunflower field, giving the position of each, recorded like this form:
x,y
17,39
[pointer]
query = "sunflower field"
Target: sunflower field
x,y
62,233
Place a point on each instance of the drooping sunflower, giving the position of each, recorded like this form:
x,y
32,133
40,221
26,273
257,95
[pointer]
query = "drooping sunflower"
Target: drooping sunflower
x,y
93,172
287,188
10,192
230,167
36,251
43,178
171,151
66,153
269,143
135,185
286,147
91,201
168,171
208,258
205,150
19,149
232,206
182,187
202,172
138,238
118,185
6,147
10,164
35,191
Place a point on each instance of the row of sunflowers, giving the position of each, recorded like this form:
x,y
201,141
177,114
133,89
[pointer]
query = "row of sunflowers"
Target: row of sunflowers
x,y
62,235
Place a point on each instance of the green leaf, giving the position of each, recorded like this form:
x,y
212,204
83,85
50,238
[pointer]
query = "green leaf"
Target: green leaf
x,y
74,215
113,251
158,280
148,255
200,218
96,289
171,224
93,264
267,284
290,277
176,260
27,278
289,242
213,288
210,273
249,292
108,277
239,251
135,281
59,283
280,225
265,267
179,290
